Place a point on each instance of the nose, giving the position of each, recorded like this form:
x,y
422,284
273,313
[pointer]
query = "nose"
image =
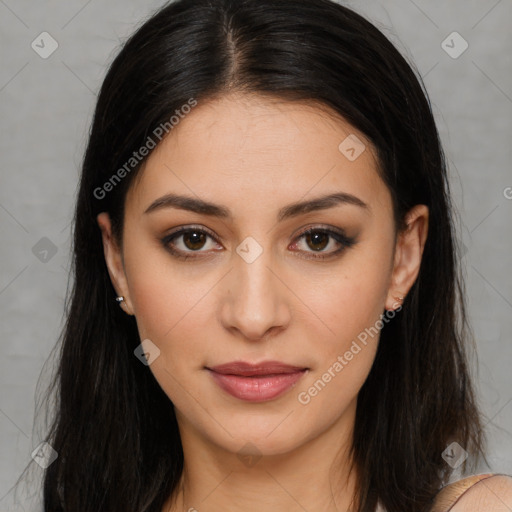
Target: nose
x,y
255,300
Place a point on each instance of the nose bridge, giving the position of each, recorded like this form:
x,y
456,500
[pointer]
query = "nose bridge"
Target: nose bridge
x,y
256,301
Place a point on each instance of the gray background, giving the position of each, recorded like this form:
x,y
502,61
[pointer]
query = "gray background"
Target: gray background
x,y
46,107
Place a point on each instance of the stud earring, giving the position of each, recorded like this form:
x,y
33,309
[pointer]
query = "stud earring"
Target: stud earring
x,y
120,301
398,302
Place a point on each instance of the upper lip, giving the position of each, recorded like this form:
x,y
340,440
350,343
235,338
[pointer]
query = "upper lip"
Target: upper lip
x,y
248,370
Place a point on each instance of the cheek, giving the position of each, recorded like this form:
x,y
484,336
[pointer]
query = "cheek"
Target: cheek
x,y
351,308
347,301
174,306
168,307
175,320
163,295
344,360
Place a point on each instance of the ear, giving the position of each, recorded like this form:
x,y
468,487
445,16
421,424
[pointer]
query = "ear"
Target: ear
x,y
114,261
408,253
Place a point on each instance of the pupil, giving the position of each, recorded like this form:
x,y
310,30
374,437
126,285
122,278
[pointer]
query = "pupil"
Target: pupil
x,y
317,238
196,240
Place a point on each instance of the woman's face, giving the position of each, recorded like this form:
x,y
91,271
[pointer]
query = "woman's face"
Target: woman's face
x,y
246,177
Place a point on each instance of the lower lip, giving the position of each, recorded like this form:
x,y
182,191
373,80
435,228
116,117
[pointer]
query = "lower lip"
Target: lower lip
x,y
257,389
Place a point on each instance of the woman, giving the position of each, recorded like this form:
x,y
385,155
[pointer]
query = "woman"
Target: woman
x,y
267,312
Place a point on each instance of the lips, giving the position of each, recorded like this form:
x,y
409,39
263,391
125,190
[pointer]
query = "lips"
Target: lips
x,y
256,382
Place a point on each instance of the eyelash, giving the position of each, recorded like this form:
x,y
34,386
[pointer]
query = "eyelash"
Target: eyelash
x,y
345,241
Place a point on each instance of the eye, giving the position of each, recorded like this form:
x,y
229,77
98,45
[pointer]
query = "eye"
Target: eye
x,y
319,239
188,240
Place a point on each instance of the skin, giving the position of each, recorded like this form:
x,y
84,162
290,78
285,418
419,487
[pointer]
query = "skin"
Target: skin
x,y
476,495
254,156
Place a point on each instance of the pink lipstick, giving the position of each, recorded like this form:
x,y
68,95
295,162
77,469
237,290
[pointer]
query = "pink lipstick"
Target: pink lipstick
x,y
256,382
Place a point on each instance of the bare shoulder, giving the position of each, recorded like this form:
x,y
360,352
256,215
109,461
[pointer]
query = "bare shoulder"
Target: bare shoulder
x,y
483,493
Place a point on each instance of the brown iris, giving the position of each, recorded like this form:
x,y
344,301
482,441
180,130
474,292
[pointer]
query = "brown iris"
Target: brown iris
x,y
317,238
196,238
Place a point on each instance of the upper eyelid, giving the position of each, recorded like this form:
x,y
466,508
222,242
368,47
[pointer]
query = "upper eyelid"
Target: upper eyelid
x,y
316,227
183,229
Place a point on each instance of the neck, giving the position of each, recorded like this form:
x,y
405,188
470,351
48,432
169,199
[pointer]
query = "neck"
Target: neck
x,y
314,476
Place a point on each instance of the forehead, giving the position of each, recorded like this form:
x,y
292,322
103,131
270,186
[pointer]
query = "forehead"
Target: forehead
x,y
250,150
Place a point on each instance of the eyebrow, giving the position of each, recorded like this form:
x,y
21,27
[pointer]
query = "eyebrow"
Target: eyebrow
x,y
292,210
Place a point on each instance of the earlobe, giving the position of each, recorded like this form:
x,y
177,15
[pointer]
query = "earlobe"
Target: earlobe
x,y
408,255
114,262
